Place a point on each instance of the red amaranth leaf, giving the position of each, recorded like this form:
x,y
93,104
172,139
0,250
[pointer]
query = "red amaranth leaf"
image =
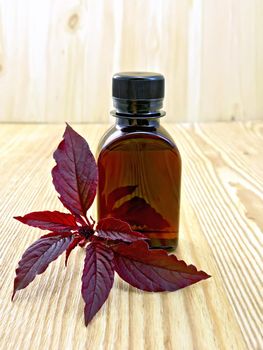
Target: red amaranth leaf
x,y
117,230
49,220
37,257
119,193
55,234
153,270
138,212
97,278
72,245
75,176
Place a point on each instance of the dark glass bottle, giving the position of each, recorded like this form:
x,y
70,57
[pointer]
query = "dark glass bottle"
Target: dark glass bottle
x,y
139,163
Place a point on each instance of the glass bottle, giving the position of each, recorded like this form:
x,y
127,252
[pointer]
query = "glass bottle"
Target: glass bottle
x,y
139,163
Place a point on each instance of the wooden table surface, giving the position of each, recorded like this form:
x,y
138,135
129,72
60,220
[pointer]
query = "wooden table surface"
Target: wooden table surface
x,y
221,233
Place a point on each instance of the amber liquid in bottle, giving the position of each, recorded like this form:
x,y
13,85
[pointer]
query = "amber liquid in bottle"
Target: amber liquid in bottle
x,y
139,164
139,182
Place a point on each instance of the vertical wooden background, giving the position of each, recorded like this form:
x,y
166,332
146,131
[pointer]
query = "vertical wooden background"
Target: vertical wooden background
x,y
57,57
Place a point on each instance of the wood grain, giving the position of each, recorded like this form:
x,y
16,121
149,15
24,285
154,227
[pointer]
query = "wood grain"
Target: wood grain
x,y
57,57
221,232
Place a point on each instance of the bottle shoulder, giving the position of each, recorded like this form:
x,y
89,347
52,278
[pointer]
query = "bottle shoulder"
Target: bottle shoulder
x,y
116,134
106,137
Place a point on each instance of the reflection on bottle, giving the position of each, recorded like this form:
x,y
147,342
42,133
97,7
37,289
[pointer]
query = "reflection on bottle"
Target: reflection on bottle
x,y
136,211
139,182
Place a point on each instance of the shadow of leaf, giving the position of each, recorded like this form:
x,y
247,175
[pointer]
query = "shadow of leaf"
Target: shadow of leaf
x,y
137,212
119,193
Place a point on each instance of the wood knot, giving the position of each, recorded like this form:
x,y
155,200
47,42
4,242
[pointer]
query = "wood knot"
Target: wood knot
x,y
73,21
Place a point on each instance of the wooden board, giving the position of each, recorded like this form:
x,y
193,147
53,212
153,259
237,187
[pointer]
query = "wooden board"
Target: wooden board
x,y
57,57
221,231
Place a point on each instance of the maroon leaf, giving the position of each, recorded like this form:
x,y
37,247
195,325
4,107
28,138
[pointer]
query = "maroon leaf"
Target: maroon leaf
x,y
36,259
153,270
55,234
117,230
137,212
49,220
97,278
75,176
72,245
119,193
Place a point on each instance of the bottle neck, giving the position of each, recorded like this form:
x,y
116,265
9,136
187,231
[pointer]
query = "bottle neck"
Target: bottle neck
x,y
141,113
137,107
142,123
